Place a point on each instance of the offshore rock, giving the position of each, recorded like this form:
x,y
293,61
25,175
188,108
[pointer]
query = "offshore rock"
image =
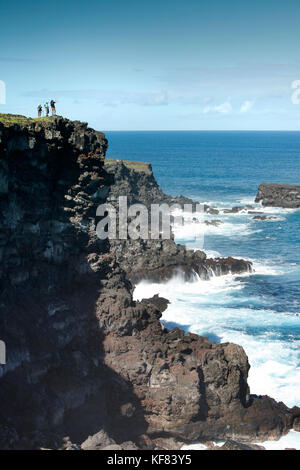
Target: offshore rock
x,y
279,195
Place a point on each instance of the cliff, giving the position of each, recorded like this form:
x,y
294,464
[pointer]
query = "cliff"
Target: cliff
x,y
158,260
136,180
279,195
82,357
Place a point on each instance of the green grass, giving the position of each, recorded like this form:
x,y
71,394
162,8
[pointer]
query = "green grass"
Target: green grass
x,y
11,119
41,119
142,167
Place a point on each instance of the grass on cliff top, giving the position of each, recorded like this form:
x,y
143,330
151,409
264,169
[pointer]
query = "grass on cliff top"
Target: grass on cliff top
x,y
142,167
11,119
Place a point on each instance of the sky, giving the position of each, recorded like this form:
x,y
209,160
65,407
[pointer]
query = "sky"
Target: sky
x,y
154,65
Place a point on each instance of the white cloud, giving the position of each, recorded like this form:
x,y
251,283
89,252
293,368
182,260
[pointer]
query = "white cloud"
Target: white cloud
x,y
224,108
246,106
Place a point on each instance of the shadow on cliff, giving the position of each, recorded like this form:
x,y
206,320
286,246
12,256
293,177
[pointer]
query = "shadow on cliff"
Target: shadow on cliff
x,y
61,386
109,401
55,383
113,406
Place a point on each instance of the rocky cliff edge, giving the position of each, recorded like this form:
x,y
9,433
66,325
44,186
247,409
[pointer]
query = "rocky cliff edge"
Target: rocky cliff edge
x,y
82,357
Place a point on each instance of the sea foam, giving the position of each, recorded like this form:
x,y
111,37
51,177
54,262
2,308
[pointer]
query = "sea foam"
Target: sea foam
x,y
218,309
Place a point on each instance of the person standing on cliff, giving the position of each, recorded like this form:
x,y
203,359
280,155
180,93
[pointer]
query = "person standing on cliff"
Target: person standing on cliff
x,y
46,106
53,109
39,110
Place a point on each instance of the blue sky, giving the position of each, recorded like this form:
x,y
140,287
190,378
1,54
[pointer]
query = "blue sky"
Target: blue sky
x,y
159,64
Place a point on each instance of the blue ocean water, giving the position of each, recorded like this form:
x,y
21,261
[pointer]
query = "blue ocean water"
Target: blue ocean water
x,y
260,311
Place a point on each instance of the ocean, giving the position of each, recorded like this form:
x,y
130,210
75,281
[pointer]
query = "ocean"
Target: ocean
x,y
260,311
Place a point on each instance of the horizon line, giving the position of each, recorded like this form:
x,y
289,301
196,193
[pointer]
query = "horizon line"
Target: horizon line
x,y
200,130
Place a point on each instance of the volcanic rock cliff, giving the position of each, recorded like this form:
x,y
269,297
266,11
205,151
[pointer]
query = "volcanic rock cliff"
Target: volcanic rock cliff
x,y
136,180
82,357
159,259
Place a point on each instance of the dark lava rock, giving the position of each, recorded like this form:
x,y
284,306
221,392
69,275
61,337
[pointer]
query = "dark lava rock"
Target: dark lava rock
x,y
168,443
214,223
233,445
136,181
265,217
97,441
279,195
160,302
233,210
212,210
296,425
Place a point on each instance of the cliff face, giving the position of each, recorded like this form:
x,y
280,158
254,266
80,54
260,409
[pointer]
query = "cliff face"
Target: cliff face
x,y
279,195
81,355
52,265
136,180
158,260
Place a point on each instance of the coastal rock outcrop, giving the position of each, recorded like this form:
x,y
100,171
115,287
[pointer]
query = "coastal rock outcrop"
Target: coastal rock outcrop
x,y
279,195
265,217
136,180
84,359
161,259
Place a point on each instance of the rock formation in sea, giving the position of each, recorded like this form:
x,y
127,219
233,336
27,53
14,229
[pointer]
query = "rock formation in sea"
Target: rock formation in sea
x,y
84,359
158,260
279,195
